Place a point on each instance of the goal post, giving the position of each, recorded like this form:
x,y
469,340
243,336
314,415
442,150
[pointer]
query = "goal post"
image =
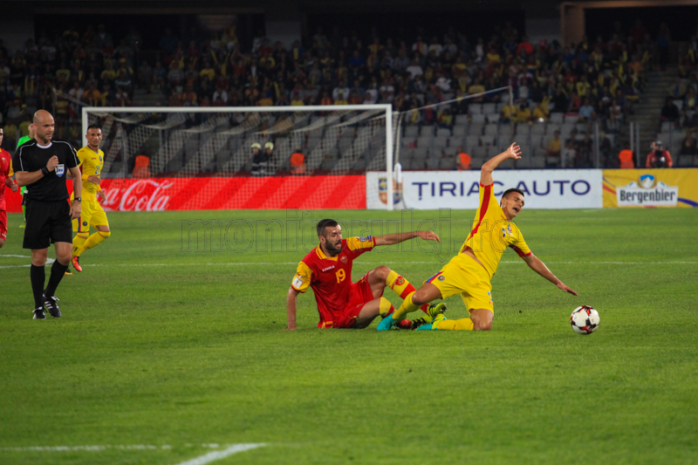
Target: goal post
x,y
216,142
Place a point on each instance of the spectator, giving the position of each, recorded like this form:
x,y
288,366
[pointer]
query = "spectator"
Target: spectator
x,y
569,155
658,157
586,111
554,148
297,162
625,157
464,160
688,149
670,112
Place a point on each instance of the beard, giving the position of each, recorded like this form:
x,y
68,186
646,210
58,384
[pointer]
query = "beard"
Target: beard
x,y
332,249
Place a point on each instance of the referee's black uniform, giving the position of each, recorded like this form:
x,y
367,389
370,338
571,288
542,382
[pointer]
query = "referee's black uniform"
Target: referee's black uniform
x,y
47,208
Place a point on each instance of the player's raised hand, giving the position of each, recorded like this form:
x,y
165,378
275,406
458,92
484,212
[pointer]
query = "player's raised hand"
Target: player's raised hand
x,y
514,151
52,163
429,236
565,288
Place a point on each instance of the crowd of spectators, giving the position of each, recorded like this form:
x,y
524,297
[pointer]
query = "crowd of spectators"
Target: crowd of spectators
x,y
595,80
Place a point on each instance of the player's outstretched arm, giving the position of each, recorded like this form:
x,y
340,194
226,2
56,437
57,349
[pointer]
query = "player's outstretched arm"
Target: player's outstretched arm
x,y
396,238
514,152
291,308
539,267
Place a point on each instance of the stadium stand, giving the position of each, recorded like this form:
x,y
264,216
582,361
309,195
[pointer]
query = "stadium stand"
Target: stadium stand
x,y
555,87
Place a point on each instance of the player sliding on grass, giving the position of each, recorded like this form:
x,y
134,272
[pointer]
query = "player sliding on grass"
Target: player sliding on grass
x,y
469,273
341,303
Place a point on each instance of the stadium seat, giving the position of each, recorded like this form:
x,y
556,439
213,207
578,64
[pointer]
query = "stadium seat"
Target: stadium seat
x,y
447,163
493,118
475,109
443,132
556,118
479,152
472,142
487,140
538,162
524,162
489,108
478,118
475,129
538,129
455,141
523,129
411,131
440,142
462,119
424,141
459,130
492,130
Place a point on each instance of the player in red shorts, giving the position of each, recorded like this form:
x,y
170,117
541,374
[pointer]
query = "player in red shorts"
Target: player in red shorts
x,y
327,270
5,180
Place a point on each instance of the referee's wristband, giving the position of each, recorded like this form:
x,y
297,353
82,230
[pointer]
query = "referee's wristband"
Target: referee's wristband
x,y
45,171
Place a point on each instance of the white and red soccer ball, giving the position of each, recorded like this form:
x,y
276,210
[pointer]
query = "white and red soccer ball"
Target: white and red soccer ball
x,y
584,319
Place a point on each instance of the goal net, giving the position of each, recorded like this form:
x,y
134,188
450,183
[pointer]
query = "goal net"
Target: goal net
x,y
189,158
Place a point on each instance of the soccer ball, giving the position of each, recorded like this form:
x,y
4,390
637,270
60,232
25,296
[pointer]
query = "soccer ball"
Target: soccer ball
x,y
584,319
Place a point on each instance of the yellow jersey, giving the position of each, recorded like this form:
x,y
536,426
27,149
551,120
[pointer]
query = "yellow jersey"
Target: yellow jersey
x,y
492,233
91,163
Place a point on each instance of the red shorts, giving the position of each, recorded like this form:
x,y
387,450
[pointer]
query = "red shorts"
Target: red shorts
x,y
3,224
359,296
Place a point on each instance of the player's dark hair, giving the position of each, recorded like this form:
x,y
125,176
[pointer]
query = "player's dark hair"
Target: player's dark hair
x,y
322,224
94,126
509,191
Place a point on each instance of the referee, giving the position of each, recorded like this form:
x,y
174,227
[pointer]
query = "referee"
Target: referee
x,y
41,165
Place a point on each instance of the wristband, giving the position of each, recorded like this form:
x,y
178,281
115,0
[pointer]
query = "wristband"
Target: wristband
x,y
78,199
45,171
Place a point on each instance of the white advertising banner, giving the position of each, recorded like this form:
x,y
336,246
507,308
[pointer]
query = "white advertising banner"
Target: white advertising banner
x,y
431,190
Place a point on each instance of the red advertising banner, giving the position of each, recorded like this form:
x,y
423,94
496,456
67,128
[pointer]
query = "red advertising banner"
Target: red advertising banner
x,y
162,194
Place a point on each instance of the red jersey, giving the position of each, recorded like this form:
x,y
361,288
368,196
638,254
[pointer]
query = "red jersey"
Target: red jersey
x,y
5,172
330,277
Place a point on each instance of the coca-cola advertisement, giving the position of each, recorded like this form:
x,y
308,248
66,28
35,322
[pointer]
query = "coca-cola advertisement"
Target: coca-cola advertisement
x,y
273,192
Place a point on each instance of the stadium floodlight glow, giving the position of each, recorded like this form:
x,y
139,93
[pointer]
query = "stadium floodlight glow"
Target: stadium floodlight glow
x,y
366,136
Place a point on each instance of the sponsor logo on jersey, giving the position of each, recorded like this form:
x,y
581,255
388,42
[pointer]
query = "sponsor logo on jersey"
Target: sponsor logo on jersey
x,y
328,268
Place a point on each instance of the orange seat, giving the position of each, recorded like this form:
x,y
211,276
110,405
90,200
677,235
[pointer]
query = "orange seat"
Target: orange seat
x,y
142,170
626,159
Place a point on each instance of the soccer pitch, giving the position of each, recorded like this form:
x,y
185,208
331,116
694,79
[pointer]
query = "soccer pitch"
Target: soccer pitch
x,y
167,354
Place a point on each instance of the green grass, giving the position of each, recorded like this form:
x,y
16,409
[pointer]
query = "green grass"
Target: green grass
x,y
164,346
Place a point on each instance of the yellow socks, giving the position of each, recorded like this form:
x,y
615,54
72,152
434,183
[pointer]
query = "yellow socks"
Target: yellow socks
x,y
464,324
78,241
403,288
385,307
92,241
406,307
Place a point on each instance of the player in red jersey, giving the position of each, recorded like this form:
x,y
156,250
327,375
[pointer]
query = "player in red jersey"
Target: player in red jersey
x,y
5,180
327,270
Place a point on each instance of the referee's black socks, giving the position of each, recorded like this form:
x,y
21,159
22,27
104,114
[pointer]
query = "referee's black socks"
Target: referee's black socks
x,y
57,273
38,276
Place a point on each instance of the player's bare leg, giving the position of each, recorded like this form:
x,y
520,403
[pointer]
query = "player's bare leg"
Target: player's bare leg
x,y
2,242
369,312
377,280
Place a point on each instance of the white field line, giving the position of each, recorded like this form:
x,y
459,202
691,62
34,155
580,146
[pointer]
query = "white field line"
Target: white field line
x,y
49,261
221,454
552,262
201,460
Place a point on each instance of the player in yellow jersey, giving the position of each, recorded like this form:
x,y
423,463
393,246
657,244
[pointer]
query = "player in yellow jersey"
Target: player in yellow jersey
x,y
91,162
469,273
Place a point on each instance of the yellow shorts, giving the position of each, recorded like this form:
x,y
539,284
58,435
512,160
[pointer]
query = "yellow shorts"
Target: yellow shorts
x,y
464,276
91,214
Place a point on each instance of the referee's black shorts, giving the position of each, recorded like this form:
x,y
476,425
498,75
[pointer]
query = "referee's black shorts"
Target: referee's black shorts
x,y
47,222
